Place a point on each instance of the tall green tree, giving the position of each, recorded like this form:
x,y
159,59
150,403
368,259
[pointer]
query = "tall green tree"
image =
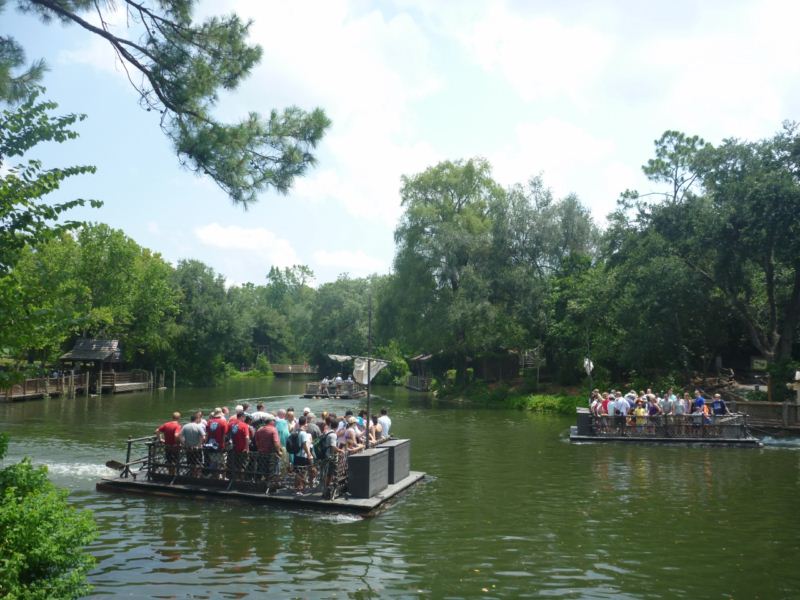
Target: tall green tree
x,y
289,292
206,324
25,217
339,316
442,240
28,220
740,235
179,67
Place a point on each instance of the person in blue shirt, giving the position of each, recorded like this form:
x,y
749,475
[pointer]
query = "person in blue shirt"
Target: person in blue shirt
x,y
718,406
699,401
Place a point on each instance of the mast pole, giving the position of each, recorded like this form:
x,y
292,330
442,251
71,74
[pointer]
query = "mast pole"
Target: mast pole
x,y
369,370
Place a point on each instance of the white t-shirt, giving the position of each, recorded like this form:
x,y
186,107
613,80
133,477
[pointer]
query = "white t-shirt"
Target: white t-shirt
x,y
622,406
386,423
305,438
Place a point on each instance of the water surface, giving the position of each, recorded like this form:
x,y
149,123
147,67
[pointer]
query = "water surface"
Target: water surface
x,y
510,509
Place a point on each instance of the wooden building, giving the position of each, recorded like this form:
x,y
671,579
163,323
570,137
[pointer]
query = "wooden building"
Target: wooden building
x,y
103,359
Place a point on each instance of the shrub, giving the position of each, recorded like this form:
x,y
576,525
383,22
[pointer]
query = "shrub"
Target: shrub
x,y
262,366
561,404
41,536
756,395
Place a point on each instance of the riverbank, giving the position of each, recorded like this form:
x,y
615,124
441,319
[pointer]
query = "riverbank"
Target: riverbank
x,y
562,401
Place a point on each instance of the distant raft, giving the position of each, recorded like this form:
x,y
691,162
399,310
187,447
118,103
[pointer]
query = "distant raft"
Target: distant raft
x,y
694,429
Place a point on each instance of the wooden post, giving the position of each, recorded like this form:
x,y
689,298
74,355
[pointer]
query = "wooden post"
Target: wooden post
x,y
100,381
113,380
173,379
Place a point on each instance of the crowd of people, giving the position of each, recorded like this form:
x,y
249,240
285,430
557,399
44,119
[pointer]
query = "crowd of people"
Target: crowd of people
x,y
645,409
229,443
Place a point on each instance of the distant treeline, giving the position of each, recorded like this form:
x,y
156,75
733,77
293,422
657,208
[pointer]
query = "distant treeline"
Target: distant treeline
x,y
482,273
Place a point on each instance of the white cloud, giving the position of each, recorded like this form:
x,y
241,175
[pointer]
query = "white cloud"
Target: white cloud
x,y
252,242
355,262
368,70
96,52
539,56
570,159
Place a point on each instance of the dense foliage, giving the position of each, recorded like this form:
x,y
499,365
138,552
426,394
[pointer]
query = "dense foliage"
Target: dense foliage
x,y
41,536
483,276
179,67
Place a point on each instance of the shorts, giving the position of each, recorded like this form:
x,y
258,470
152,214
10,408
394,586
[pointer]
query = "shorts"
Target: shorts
x,y
301,461
194,456
172,454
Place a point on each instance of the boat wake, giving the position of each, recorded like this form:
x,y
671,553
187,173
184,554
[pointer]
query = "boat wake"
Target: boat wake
x,y
781,442
80,470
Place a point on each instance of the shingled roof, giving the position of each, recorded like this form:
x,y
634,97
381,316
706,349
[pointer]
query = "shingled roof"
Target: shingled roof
x,y
90,349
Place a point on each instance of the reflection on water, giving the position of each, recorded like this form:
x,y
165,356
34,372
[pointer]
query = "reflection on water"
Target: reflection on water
x,y
509,510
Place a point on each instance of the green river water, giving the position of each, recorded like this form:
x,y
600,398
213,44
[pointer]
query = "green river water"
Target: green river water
x,y
509,509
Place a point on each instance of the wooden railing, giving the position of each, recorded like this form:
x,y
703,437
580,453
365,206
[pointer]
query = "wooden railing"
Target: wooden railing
x,y
39,387
114,378
775,414
695,425
345,388
421,384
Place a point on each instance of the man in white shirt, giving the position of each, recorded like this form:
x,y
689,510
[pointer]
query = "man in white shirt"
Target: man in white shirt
x,y
386,423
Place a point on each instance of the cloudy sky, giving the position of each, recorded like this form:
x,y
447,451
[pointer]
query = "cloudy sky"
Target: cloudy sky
x,y
575,91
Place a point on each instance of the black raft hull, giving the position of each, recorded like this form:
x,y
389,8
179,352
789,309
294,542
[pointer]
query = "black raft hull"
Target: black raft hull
x,y
283,499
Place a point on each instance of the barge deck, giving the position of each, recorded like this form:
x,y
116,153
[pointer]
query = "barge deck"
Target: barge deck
x,y
282,498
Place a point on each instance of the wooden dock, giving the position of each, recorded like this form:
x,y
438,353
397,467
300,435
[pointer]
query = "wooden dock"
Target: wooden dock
x,y
128,381
41,387
418,384
304,369
67,384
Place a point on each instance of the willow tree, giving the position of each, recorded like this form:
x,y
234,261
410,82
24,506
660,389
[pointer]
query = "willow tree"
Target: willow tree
x,y
443,242
178,67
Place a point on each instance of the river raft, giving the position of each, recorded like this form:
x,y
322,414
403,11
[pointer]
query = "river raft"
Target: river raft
x,y
361,483
693,429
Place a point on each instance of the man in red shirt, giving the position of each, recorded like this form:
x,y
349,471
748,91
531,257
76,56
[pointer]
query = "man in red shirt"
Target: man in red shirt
x,y
168,434
239,432
267,439
217,428
268,443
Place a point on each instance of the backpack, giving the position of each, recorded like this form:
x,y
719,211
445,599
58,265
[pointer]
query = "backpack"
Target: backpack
x,y
293,443
318,448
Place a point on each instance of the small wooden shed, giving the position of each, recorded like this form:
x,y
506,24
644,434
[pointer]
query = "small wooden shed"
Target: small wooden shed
x,y
101,356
